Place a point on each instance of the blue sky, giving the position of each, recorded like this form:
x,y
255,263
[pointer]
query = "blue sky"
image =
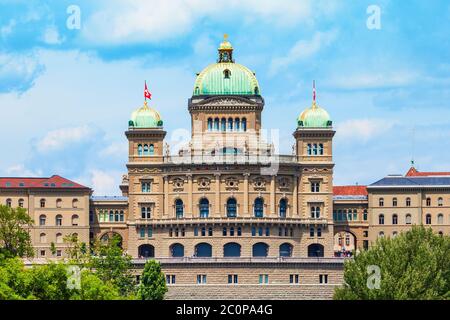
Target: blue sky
x,y
66,94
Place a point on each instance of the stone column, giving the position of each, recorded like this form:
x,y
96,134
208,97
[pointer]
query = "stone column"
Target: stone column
x,y
246,175
294,212
272,196
166,210
218,205
189,204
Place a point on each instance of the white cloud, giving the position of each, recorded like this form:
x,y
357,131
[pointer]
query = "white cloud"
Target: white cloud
x,y
374,80
18,71
105,183
134,21
60,138
19,170
303,49
51,36
115,149
362,129
7,29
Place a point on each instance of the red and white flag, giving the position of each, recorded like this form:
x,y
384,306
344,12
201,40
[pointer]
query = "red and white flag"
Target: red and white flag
x,y
147,94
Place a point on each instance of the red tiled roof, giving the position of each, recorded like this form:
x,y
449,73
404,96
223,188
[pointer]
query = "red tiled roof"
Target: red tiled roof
x,y
350,190
412,172
54,181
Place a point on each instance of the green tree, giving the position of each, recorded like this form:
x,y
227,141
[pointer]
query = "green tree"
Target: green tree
x,y
14,232
413,265
93,288
48,282
153,282
76,250
13,279
112,265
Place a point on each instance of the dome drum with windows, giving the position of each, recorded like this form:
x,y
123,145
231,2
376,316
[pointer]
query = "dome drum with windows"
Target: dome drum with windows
x,y
145,117
226,77
315,116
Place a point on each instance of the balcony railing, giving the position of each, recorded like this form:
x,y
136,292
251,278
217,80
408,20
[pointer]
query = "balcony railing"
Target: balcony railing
x,y
229,159
181,260
233,220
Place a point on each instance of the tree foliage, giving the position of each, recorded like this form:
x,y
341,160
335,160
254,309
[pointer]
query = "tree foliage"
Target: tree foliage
x,y
413,265
15,238
153,283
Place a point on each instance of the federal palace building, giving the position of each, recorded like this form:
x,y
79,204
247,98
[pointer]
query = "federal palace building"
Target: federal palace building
x,y
225,215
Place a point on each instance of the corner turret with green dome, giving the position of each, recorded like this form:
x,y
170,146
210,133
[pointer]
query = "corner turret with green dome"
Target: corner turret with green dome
x,y
145,118
315,116
226,77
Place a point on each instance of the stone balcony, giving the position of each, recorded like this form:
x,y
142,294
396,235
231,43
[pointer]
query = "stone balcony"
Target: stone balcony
x,y
233,221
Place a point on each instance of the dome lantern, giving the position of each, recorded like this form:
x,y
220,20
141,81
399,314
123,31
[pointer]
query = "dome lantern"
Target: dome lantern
x,y
226,77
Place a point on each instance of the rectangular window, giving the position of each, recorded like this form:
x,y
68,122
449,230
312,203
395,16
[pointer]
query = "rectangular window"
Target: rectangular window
x,y
365,233
263,278
239,231
323,278
224,233
232,278
201,278
253,231
150,232
315,186
42,253
267,231
293,278
195,232
145,187
170,279
58,253
142,232
231,232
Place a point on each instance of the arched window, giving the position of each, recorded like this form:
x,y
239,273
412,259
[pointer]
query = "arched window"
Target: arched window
x,y
203,250
140,152
42,220
8,203
210,124
256,90
232,249
121,216
177,250
321,149
111,216
231,208
151,150
381,234
230,124
42,203
440,218
428,219
58,220
244,124
116,216
204,208
259,207
315,149
146,251
145,149
43,238
260,249
223,124
315,250
283,208
75,203
394,219
365,215
394,234
309,149
58,203
381,219
408,219
75,220
179,208
21,203
216,124
408,202
428,202
226,74
286,250
394,202
59,238
237,124
440,202
381,202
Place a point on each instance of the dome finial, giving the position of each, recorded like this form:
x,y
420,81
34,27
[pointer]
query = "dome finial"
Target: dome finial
x,y
314,93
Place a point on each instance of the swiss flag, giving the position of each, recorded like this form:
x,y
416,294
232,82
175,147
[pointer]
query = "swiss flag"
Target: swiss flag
x,y
147,94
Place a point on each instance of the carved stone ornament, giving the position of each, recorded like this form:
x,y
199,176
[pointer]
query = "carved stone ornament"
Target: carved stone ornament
x,y
231,183
259,184
204,183
178,184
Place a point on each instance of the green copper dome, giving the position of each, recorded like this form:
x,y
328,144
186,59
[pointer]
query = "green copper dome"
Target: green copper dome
x,y
145,117
226,77
314,117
